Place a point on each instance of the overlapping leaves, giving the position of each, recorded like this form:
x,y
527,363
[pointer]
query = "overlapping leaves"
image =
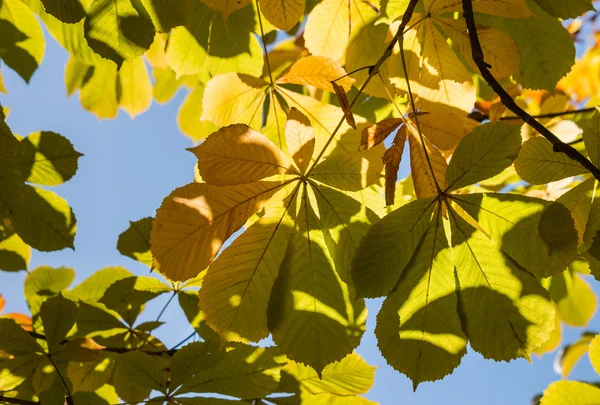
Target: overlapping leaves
x,y
29,215
454,269
287,273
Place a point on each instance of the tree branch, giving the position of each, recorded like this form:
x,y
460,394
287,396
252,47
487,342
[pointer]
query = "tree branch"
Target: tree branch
x,y
508,101
406,17
17,401
479,116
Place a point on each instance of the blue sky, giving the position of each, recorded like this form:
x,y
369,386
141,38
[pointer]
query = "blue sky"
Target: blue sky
x,y
131,165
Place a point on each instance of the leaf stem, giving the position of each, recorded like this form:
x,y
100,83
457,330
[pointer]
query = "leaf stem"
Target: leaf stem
x,y
507,100
62,379
262,36
17,401
406,17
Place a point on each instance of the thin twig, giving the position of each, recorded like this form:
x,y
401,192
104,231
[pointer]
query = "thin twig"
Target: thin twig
x,y
64,382
508,101
17,401
174,349
479,116
416,115
406,17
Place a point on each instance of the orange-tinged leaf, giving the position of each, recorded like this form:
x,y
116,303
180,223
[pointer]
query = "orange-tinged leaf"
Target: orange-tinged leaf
x,y
194,221
300,138
341,94
423,178
283,14
317,71
442,129
2,302
22,320
237,154
376,133
391,159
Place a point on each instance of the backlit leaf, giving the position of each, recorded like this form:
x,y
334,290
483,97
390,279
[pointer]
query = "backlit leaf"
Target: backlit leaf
x,y
538,163
194,221
14,253
58,317
570,393
283,14
135,241
300,139
485,152
117,31
237,155
139,369
316,71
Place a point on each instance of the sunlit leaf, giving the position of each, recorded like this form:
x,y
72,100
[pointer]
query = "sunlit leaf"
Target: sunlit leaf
x,y
570,393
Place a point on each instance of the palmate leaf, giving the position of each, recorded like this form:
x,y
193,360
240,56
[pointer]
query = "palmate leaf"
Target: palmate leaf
x,y
58,316
479,286
287,274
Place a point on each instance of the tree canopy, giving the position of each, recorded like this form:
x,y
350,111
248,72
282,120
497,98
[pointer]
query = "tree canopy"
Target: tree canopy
x,y
302,113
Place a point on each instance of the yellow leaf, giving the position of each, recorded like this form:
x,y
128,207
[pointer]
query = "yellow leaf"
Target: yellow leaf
x,y
346,172
570,393
190,113
316,71
538,163
442,129
194,221
226,7
423,179
2,88
300,139
283,14
135,87
502,8
235,293
499,49
332,24
234,98
553,342
594,353
237,154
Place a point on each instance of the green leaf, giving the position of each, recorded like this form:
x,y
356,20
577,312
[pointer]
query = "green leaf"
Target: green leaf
x,y
505,311
514,221
312,315
578,201
418,328
235,291
67,11
190,360
388,247
484,153
47,158
349,376
127,296
546,48
92,375
14,371
570,393
58,317
591,239
135,241
93,288
348,173
209,42
575,300
134,88
14,340
96,320
105,395
538,163
45,282
141,370
22,42
14,253
566,9
591,137
44,376
167,14
115,30
190,113
245,372
42,219
188,300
